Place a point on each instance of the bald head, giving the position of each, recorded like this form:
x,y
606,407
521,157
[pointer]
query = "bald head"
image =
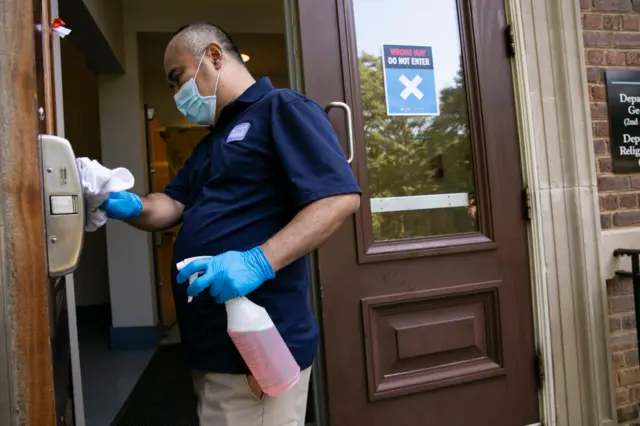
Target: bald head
x,y
198,36
193,43
207,54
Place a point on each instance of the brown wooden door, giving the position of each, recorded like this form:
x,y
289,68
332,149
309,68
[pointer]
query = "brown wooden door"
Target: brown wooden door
x,y
161,173
58,331
426,301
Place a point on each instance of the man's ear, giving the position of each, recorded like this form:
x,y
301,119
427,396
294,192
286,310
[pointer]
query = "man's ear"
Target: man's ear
x,y
215,52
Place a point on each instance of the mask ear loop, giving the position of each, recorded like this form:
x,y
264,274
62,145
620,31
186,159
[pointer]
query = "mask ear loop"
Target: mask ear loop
x,y
199,63
198,69
217,80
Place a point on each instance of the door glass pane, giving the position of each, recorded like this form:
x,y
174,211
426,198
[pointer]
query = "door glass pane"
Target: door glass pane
x,y
416,125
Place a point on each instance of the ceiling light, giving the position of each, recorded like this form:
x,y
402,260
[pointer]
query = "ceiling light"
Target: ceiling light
x,y
245,57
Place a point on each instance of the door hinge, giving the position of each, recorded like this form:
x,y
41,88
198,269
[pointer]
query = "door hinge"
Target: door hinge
x,y
526,203
539,369
510,41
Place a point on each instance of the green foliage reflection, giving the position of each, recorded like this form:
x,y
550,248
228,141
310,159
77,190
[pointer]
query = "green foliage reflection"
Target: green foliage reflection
x,y
417,156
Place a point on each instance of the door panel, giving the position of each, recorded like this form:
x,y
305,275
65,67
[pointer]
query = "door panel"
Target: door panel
x,y
56,288
161,173
426,301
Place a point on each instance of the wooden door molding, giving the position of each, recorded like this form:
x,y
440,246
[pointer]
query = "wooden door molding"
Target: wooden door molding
x,y
558,165
474,66
391,345
23,276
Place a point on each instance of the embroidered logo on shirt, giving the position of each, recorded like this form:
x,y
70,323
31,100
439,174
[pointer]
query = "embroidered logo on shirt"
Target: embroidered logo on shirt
x,y
239,132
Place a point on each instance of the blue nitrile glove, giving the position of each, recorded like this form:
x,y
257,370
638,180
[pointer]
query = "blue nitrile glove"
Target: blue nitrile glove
x,y
122,205
229,275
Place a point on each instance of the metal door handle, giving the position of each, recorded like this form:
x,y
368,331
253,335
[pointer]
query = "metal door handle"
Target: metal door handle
x,y
350,140
64,210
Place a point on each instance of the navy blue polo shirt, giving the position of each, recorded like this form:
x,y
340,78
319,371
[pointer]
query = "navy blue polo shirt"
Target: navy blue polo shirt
x,y
271,153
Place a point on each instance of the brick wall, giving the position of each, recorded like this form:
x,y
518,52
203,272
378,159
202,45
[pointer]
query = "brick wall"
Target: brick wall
x,y
611,30
612,40
624,347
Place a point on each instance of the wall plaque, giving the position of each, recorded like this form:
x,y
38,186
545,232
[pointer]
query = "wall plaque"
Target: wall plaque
x,y
623,95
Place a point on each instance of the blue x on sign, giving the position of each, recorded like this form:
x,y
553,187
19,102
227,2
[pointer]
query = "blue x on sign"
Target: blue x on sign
x,y
409,80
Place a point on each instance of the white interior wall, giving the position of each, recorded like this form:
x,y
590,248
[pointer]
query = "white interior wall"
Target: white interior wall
x,y
80,107
132,289
81,122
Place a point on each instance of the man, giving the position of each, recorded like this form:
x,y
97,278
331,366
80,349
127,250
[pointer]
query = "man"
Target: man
x,y
267,186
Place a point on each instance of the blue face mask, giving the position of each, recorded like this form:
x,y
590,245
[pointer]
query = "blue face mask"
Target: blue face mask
x,y
196,108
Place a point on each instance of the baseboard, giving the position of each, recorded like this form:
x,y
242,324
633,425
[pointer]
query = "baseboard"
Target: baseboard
x,y
126,338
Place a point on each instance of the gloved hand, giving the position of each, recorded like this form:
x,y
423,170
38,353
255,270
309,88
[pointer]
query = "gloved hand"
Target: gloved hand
x,y
229,275
122,205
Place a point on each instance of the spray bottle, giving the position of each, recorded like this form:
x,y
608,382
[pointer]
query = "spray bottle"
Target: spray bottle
x,y
260,344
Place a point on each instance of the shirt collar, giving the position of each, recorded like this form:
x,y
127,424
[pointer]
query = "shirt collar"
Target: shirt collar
x,y
253,94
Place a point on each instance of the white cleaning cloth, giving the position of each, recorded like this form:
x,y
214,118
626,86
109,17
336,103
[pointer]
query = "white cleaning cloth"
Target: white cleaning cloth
x,y
97,182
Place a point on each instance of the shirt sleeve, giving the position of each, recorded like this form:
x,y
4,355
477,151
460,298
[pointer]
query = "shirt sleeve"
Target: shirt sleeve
x,y
310,153
178,188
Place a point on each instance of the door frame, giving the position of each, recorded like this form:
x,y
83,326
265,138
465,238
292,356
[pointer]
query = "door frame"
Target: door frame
x,y
570,296
70,292
26,379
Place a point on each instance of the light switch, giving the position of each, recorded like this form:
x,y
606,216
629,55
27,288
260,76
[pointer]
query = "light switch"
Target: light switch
x,y
63,204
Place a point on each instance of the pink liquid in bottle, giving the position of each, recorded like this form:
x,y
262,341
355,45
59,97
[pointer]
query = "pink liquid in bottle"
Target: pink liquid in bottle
x,y
261,346
259,343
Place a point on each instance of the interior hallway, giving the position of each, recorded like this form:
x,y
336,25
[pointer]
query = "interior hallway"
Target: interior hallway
x,y
108,376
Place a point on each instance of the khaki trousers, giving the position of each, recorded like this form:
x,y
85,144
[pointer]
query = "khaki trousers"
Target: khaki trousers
x,y
236,400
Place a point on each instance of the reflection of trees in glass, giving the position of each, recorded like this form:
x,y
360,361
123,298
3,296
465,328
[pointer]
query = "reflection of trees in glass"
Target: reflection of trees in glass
x,y
416,156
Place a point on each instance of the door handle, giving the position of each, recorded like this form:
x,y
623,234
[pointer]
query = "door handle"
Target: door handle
x,y
63,205
351,152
